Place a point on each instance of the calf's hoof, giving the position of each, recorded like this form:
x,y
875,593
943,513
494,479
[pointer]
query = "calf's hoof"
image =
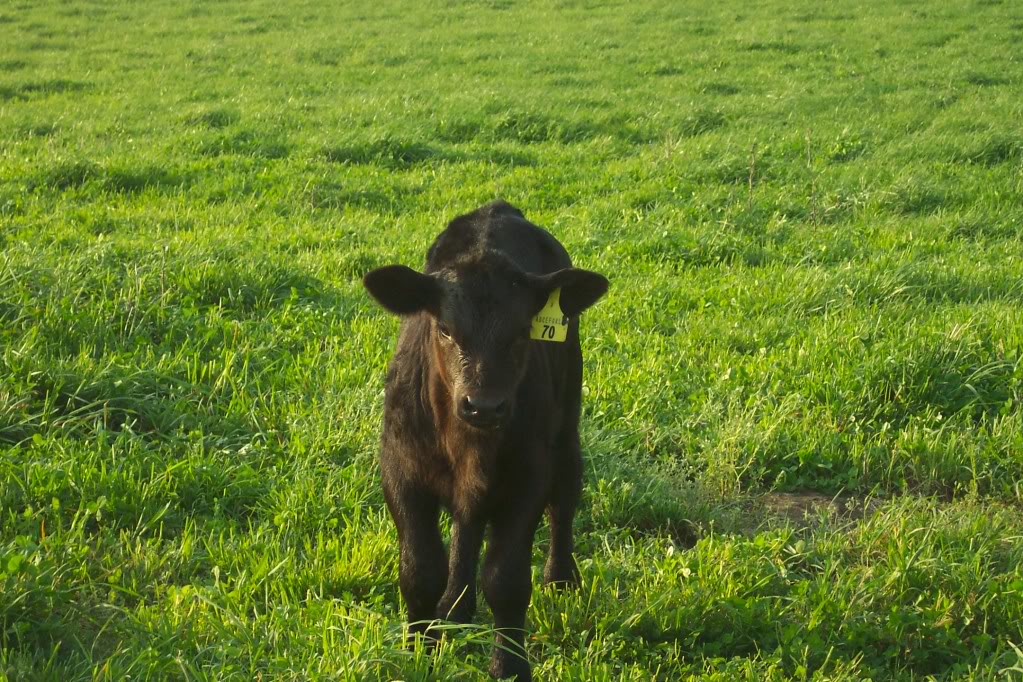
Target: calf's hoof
x,y
507,666
459,609
421,631
561,574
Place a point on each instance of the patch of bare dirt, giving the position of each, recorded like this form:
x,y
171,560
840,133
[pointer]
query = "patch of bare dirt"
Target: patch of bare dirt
x,y
800,507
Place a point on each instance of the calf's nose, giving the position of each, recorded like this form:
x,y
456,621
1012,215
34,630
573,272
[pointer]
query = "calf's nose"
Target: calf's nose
x,y
482,411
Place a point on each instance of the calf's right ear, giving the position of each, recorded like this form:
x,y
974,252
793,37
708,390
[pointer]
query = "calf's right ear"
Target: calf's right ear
x,y
402,290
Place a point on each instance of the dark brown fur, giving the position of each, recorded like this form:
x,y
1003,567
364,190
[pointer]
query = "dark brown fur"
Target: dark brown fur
x,y
481,420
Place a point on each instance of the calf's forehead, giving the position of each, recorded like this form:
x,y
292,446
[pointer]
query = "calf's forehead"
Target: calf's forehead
x,y
484,300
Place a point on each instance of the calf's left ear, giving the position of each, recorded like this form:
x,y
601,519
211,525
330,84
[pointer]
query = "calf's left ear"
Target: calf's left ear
x,y
579,288
402,290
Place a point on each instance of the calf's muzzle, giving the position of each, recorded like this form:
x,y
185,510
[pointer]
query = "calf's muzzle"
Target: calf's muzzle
x,y
482,411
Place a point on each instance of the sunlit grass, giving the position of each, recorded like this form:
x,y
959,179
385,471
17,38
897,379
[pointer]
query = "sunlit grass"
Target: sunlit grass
x,y
811,220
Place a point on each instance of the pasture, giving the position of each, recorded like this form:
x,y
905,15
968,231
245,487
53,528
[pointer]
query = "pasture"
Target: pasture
x,y
810,214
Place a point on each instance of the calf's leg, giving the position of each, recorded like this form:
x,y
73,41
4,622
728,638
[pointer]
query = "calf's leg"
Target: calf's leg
x,y
421,569
507,587
561,569
458,603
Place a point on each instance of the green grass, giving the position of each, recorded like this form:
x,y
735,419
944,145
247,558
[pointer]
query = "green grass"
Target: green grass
x,y
811,219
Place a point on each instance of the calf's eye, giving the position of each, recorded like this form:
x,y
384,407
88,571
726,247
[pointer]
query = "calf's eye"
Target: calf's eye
x,y
443,331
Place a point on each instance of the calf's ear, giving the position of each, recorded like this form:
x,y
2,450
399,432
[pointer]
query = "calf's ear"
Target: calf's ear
x,y
402,290
579,288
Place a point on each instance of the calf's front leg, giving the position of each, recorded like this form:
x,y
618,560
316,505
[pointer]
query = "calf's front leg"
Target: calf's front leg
x,y
421,569
507,586
458,603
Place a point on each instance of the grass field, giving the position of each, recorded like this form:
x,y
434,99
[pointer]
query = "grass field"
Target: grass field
x,y
811,216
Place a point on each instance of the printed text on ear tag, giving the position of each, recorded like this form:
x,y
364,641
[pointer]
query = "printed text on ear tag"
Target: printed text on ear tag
x,y
550,324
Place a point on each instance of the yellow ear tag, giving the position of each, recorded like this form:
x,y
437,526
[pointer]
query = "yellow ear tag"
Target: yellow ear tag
x,y
550,324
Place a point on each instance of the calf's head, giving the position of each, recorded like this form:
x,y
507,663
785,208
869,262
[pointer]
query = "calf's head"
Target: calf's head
x,y
480,316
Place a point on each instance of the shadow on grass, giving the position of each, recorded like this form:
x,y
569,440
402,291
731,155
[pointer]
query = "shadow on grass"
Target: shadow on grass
x,y
241,143
70,175
44,88
214,118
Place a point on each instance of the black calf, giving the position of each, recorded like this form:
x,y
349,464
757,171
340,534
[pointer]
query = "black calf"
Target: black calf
x,y
482,416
